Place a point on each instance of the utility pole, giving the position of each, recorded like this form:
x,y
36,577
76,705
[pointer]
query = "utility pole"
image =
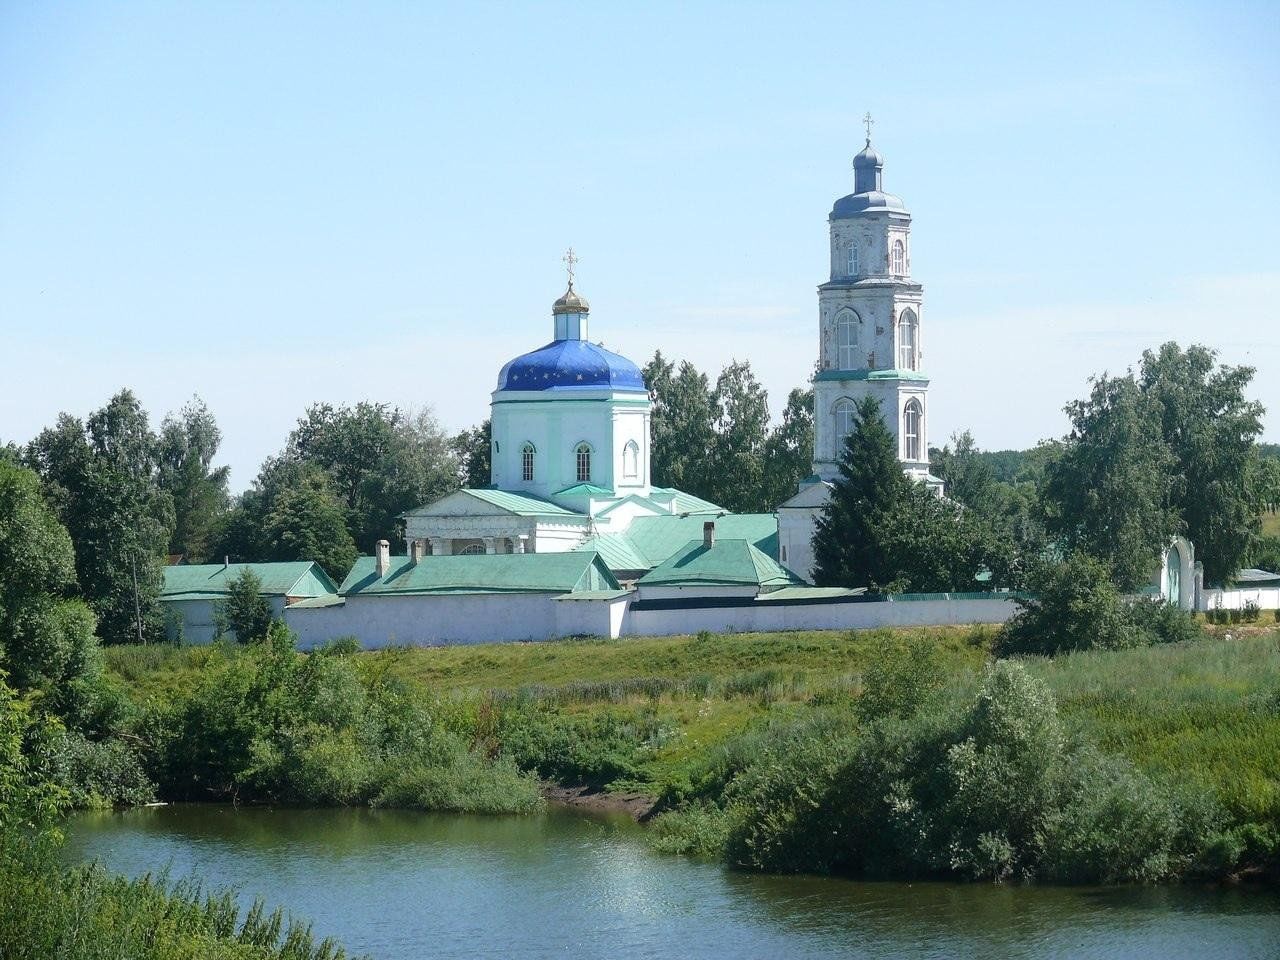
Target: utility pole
x,y
137,606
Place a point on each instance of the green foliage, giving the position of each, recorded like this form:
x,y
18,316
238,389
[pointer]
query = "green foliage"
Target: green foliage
x,y
474,450
1074,605
900,678
788,453
970,477
269,725
101,476
737,456
306,522
682,424
1210,430
881,530
247,611
47,643
1111,491
187,445
995,790
381,461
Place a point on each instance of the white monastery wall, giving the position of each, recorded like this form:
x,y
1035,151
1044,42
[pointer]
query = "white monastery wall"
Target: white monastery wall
x,y
1264,598
384,621
771,616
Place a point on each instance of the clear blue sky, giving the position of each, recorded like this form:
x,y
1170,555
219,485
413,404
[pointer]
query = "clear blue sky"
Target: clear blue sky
x,y
274,204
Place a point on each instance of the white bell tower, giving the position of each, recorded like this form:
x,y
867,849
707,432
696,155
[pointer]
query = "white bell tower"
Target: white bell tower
x,y
869,324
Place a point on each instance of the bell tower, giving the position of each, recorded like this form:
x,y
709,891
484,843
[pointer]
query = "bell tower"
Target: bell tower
x,y
869,323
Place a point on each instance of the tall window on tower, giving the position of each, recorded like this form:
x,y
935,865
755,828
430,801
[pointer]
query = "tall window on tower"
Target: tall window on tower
x,y
527,454
583,457
898,263
908,334
844,413
631,460
851,266
912,421
846,340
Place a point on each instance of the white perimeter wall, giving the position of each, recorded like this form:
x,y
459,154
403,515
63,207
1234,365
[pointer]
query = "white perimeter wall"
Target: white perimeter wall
x,y
381,621
1266,598
431,620
768,617
197,618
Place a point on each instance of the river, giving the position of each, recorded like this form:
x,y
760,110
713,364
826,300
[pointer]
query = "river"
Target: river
x,y
407,886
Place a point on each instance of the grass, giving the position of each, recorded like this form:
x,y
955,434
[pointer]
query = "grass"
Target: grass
x,y
1206,711
1271,524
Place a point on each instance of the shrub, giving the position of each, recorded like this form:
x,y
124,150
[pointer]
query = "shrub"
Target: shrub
x,y
1160,622
899,678
246,612
699,829
97,773
1251,611
1074,606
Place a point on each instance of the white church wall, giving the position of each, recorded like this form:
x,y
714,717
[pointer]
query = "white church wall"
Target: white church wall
x,y
795,539
1264,598
427,620
772,616
590,618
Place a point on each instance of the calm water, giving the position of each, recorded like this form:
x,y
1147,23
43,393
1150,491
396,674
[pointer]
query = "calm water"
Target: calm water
x,y
402,885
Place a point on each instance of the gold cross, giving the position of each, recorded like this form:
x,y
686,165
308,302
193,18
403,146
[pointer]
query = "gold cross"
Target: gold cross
x,y
570,259
868,121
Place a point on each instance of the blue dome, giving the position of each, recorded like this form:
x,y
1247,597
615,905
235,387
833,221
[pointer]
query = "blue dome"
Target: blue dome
x,y
571,365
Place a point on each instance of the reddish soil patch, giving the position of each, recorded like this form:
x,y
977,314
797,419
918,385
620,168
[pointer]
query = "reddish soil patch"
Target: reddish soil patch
x,y
637,805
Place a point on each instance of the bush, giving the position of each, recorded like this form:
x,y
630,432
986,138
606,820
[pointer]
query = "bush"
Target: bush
x,y
699,829
899,678
1251,612
246,612
995,790
1074,606
97,773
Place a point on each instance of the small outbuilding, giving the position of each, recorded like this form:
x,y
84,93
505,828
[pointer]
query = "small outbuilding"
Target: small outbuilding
x,y
192,593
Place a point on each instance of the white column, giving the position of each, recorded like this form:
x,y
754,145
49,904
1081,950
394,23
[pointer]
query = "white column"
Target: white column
x,y
439,547
490,544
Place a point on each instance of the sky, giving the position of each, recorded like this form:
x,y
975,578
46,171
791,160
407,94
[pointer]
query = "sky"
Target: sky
x,y
271,205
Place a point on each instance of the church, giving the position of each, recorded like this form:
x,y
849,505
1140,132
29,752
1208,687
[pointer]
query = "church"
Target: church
x,y
571,420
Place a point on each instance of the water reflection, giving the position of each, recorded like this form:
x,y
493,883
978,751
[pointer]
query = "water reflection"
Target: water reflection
x,y
401,885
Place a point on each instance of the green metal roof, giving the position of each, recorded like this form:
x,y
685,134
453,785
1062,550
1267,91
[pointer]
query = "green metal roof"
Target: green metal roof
x,y
724,563
688,503
482,573
520,504
651,540
617,551
812,593
594,595
1256,578
299,578
327,600
583,490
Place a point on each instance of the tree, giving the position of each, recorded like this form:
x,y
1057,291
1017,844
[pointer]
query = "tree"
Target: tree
x,y
187,445
741,408
1110,492
381,461
846,548
683,428
246,611
101,477
474,450
788,453
307,522
1211,432
881,530
969,477
48,641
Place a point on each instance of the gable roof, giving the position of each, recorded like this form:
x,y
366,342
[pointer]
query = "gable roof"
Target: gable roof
x,y
724,563
649,541
1256,578
507,501
583,490
298,578
482,573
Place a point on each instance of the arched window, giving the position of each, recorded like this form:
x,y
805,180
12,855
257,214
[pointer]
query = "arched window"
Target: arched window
x,y
846,340
908,334
527,454
899,263
912,422
582,457
631,460
471,550
851,266
844,411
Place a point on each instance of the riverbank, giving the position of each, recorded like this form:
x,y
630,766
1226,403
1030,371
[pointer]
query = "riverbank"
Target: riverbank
x,y
701,723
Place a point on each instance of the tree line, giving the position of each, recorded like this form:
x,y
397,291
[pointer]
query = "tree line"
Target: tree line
x,y
1166,449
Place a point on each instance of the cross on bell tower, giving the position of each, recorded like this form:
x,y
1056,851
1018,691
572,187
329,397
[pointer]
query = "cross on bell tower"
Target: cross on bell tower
x,y
570,260
867,121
